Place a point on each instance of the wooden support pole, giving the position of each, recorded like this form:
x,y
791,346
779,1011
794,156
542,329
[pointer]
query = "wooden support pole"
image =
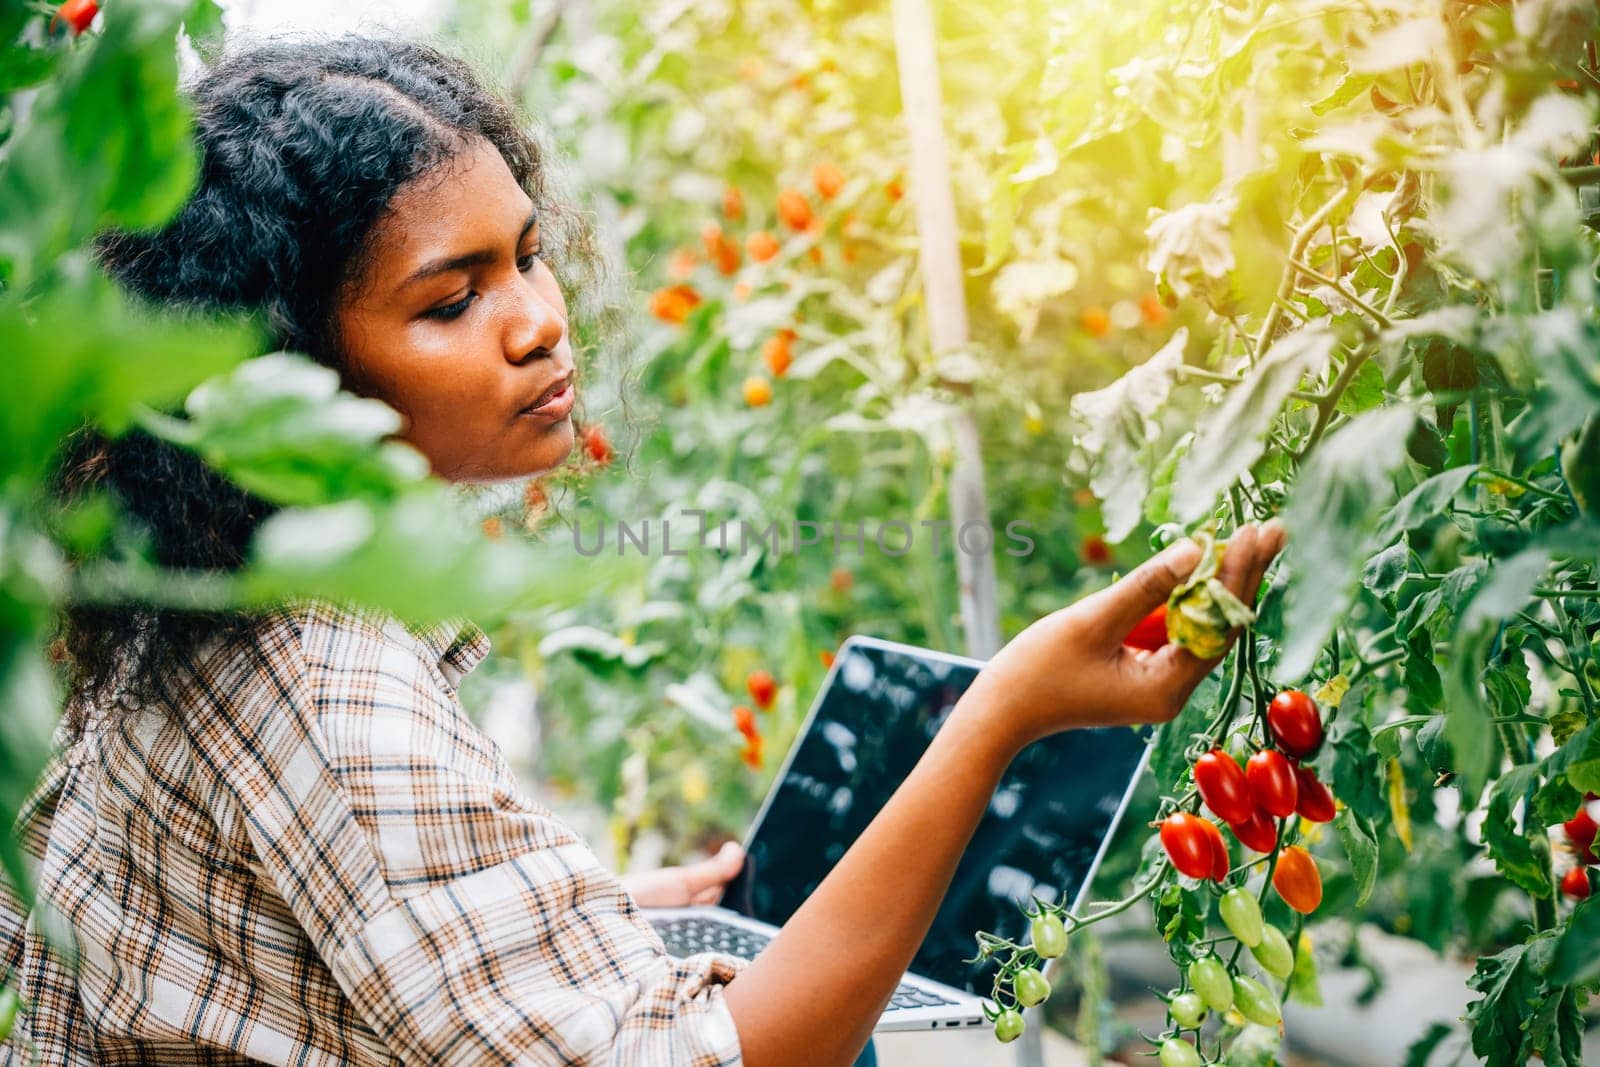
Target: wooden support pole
x,y
939,258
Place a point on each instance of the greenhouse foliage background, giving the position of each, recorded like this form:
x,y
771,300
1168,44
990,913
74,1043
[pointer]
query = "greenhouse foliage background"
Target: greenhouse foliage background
x,y
1326,260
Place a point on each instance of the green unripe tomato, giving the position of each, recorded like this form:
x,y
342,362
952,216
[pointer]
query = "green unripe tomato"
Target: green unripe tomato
x,y
1255,1001
1209,976
9,1003
1009,1026
1049,936
1031,987
1273,952
1187,1010
1241,915
1176,1052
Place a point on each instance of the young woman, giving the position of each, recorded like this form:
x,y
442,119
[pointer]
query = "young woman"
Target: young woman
x,y
277,838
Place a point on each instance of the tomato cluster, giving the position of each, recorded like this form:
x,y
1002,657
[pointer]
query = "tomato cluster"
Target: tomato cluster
x,y
1578,882
1272,785
1251,791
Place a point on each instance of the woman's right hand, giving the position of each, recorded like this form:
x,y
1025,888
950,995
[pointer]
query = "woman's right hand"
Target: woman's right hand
x,y
1070,668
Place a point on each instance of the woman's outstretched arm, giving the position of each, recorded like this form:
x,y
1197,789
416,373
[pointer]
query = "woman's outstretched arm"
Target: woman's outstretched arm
x,y
815,994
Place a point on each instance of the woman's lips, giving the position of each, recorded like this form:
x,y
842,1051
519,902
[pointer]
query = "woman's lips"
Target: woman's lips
x,y
556,404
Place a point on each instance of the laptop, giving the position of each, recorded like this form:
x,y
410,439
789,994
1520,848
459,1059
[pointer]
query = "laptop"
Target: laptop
x,y
1043,835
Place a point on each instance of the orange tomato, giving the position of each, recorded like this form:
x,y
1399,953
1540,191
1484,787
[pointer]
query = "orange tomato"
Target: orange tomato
x,y
1095,321
776,352
673,303
828,179
757,391
794,209
744,720
1152,310
682,264
1297,880
762,246
763,688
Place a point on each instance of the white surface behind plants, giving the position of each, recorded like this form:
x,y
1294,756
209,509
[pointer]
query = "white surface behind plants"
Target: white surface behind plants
x,y
261,17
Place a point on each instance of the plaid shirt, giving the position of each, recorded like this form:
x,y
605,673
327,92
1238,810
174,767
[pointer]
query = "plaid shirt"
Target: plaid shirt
x,y
319,859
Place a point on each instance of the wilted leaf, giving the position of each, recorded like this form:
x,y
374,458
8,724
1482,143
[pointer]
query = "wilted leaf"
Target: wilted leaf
x,y
1330,516
1230,437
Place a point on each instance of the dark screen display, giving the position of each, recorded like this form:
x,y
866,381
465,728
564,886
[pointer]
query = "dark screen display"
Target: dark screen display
x,y
1039,836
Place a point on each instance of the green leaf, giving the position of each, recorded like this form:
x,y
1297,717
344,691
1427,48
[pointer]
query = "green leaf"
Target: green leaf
x,y
1521,1014
112,129
85,352
1578,761
1470,725
1576,962
280,426
1230,437
1117,430
1418,1053
1385,572
1510,846
1330,517
1303,986
30,700
356,550
1424,502
1360,843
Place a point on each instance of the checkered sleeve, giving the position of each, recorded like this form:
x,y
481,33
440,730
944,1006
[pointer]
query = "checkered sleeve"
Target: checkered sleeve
x,y
465,923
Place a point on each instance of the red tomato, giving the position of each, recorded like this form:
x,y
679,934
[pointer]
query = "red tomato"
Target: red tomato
x,y
1297,881
763,688
1151,631
1257,832
1221,862
597,444
77,14
1312,799
1223,786
1295,724
1575,883
1188,844
1580,829
1272,784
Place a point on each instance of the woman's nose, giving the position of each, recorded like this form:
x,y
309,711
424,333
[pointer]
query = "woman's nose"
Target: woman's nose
x,y
534,328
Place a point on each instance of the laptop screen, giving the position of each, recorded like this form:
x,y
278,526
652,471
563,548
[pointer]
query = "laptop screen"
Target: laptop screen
x,y
880,708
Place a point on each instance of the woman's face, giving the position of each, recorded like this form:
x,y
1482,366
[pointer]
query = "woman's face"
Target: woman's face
x,y
458,324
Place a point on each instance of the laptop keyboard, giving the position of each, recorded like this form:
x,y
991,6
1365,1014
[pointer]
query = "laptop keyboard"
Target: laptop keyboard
x,y
685,937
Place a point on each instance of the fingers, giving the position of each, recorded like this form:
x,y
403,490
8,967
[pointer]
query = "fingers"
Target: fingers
x,y
1147,586
1237,561
714,873
1251,551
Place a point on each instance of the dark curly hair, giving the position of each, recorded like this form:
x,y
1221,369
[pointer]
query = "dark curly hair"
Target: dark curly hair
x,y
302,146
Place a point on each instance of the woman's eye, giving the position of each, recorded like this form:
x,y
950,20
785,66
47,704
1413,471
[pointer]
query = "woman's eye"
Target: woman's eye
x,y
525,263
451,311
